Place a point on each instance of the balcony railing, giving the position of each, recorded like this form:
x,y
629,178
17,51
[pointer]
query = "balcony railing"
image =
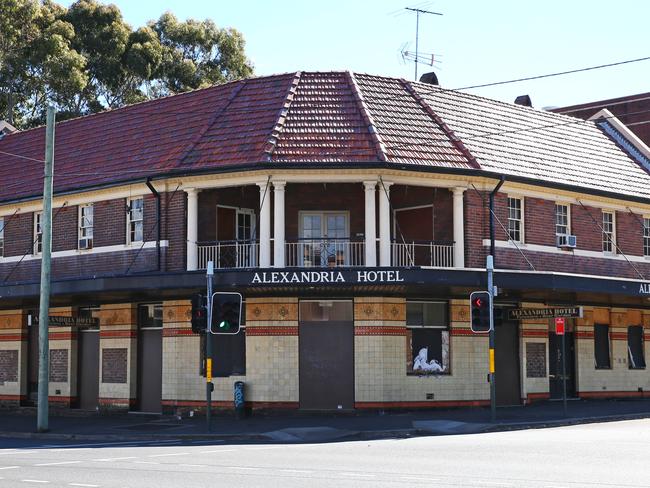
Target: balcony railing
x,y
229,254
405,254
323,253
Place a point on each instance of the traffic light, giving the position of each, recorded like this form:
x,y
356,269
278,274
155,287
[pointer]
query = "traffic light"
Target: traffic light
x,y
481,308
199,314
226,313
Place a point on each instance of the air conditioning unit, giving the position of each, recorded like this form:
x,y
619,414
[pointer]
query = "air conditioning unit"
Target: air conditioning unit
x,y
85,243
566,241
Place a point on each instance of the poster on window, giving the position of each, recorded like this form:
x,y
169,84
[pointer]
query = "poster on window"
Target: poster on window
x,y
430,351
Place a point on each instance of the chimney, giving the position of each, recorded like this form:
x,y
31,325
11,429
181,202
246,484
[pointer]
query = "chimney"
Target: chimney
x,y
523,100
429,78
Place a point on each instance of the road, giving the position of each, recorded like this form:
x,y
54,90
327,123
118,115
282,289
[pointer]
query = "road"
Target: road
x,y
597,455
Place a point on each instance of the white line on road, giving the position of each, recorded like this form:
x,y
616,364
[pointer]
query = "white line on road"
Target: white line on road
x,y
297,471
170,454
114,459
83,484
360,475
9,467
145,462
19,452
34,481
55,464
244,468
194,465
413,478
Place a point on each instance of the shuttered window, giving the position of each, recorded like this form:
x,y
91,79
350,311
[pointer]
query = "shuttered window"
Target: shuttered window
x,y
635,353
601,346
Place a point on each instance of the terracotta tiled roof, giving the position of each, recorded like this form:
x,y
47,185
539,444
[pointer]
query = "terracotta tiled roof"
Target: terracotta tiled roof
x,y
312,117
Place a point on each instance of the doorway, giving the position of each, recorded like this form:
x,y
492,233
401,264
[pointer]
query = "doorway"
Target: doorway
x,y
508,388
32,362
149,358
555,377
236,236
88,369
326,355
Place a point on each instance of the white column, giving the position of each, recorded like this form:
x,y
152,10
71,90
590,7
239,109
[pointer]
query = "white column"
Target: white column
x,y
192,228
371,228
278,223
384,224
459,230
265,225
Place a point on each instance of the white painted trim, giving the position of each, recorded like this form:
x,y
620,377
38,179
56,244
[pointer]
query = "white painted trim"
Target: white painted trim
x,y
568,216
623,129
80,252
128,218
575,252
522,219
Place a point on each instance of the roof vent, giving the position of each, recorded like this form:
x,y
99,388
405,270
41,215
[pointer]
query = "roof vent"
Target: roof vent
x,y
429,78
523,100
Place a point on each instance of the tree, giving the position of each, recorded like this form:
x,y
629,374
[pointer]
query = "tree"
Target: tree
x,y
86,58
198,54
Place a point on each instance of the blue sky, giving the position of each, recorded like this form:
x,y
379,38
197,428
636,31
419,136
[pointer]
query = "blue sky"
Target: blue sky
x,y
475,41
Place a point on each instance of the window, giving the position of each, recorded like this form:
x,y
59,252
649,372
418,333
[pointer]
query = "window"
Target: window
x,y
515,220
2,237
150,315
86,227
427,335
228,351
562,222
635,347
601,346
38,233
324,239
135,220
608,232
646,237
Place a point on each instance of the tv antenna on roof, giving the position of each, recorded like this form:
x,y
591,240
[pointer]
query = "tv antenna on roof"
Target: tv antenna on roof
x,y
416,58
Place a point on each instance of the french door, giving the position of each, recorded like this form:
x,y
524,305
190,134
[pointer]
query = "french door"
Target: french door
x,y
324,238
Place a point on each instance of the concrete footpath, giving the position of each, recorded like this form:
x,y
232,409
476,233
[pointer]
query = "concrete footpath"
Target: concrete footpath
x,y
316,427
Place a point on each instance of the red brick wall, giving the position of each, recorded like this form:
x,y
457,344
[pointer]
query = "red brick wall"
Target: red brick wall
x,y
109,222
64,228
584,225
539,220
19,234
174,229
629,233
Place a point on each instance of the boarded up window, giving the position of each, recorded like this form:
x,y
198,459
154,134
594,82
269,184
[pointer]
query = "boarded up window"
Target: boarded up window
x,y
58,365
8,366
114,365
635,347
535,360
601,346
427,335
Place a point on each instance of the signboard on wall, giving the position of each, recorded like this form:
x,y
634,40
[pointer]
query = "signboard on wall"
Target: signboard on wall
x,y
544,313
58,321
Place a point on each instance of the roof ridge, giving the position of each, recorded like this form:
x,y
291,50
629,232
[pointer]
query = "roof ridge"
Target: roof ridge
x,y
272,141
193,143
367,117
456,141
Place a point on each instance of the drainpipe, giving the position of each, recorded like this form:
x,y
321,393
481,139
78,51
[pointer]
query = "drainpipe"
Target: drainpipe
x,y
157,195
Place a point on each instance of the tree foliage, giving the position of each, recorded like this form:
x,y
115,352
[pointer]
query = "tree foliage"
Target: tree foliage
x,y
86,58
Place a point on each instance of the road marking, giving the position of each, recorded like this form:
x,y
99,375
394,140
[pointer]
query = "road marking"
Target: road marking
x,y
114,459
170,454
10,467
220,450
83,484
55,464
361,475
145,462
299,471
193,465
241,468
19,452
413,478
34,481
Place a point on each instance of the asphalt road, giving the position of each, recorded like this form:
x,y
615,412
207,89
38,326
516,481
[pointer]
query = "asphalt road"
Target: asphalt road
x,y
592,455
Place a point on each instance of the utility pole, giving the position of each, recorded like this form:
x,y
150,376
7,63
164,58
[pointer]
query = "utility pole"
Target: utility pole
x,y
418,11
44,309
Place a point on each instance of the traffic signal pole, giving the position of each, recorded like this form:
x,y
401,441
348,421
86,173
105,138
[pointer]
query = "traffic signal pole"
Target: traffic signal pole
x,y
489,265
208,350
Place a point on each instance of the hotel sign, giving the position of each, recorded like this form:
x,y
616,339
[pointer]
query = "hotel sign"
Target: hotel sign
x,y
380,276
644,289
544,313
58,321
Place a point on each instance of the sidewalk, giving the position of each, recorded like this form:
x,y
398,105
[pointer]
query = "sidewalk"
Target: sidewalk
x,y
306,427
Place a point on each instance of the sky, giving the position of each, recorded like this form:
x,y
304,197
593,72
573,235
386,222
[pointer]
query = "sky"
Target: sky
x,y
473,41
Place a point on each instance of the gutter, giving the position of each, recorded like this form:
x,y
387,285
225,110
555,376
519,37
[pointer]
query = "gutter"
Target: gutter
x,y
158,220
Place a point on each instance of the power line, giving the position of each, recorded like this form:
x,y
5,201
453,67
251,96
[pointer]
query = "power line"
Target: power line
x,y
559,73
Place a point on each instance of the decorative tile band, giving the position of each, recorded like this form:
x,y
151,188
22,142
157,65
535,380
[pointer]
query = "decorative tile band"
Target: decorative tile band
x,y
179,331
379,331
118,334
13,337
288,330
534,333
415,404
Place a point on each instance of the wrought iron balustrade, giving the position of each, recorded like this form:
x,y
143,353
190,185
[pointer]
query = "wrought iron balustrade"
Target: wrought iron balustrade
x,y
423,253
325,252
229,254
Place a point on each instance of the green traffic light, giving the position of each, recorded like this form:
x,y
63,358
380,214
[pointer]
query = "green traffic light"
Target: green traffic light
x,y
224,325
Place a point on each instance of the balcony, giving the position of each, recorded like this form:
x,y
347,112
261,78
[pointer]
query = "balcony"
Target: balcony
x,y
325,253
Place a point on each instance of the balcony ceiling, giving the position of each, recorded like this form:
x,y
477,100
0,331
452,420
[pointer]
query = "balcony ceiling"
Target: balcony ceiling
x,y
315,118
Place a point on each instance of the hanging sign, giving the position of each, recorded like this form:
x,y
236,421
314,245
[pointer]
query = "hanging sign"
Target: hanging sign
x,y
559,325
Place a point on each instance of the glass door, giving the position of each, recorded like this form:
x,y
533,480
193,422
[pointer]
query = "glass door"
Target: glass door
x,y
324,239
